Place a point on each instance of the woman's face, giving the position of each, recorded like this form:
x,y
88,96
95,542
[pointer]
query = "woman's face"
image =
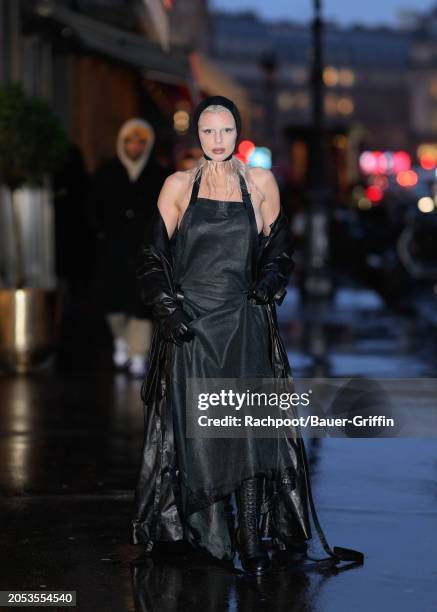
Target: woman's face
x,y
217,133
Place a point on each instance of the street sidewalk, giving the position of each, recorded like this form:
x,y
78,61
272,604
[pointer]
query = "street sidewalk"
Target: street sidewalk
x,y
71,443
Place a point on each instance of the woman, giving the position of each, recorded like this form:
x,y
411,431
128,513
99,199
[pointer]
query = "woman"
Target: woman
x,y
217,258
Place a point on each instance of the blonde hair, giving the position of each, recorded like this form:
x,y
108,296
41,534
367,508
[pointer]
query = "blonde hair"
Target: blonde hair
x,y
233,168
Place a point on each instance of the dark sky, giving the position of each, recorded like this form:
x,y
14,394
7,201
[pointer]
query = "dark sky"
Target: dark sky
x,y
345,12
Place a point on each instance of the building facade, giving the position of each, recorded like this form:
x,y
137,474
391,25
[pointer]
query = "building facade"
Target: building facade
x,y
366,78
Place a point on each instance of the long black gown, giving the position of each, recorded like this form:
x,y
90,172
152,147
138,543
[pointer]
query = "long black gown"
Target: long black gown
x,y
214,270
184,483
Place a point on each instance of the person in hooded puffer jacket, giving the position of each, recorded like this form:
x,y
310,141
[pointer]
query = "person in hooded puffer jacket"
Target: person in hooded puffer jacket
x,y
123,197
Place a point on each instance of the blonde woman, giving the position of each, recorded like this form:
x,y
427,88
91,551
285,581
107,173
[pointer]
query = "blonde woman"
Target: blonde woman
x,y
214,265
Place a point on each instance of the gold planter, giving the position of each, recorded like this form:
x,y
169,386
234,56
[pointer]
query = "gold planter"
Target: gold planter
x,y
29,327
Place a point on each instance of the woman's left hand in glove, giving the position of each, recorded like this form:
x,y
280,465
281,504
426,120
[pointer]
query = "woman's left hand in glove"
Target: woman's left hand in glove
x,y
265,290
175,327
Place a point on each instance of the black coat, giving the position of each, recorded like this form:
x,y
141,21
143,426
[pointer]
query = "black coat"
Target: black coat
x,y
120,211
157,510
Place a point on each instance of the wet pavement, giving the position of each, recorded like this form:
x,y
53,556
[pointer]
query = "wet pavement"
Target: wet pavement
x,y
71,443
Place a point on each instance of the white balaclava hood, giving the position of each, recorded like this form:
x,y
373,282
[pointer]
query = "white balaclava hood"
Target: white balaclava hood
x,y
135,167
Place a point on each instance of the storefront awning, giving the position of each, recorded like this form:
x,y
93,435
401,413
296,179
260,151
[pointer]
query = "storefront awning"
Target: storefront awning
x,y
171,66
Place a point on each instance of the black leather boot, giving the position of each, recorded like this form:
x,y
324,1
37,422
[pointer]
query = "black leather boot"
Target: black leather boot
x,y
253,556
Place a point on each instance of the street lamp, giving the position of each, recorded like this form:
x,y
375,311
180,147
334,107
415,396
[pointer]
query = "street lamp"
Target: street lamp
x,y
317,277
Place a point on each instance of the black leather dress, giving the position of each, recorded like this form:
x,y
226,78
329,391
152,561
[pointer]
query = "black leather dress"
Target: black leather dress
x,y
184,484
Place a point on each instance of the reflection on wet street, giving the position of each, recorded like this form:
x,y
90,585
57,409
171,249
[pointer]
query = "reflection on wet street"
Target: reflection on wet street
x,y
71,442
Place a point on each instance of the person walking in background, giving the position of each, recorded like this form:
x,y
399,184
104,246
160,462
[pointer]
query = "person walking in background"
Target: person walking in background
x,y
123,196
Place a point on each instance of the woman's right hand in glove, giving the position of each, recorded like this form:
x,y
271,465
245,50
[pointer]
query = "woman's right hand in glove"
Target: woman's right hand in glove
x,y
174,327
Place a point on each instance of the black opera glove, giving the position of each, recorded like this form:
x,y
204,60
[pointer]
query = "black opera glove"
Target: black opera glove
x,y
275,263
155,278
269,288
174,327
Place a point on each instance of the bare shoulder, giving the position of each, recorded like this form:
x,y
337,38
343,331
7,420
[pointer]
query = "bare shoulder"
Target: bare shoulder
x,y
265,183
262,177
175,186
176,181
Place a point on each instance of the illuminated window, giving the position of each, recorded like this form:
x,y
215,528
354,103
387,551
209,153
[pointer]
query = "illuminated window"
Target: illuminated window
x,y
285,100
345,106
330,76
346,77
298,160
